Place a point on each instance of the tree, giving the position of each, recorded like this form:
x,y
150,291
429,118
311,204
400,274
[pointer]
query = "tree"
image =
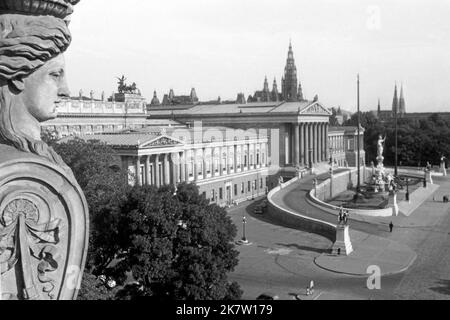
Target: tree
x,y
105,185
177,246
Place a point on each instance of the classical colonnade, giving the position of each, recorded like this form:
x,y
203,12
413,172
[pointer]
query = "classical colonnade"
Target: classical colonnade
x,y
310,143
198,163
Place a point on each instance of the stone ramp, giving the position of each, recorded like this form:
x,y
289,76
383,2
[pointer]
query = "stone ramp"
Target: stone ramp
x,y
418,197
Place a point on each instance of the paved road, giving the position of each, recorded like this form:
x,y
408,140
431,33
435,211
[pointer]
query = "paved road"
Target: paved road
x,y
293,198
281,259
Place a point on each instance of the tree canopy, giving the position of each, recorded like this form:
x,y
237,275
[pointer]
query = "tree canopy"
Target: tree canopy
x,y
419,141
173,244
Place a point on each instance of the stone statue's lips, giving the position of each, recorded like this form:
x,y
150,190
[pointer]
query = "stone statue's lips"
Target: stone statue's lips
x,y
57,8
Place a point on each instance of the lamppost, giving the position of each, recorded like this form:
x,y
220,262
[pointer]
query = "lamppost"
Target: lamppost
x,y
244,222
407,189
396,140
359,144
331,173
310,159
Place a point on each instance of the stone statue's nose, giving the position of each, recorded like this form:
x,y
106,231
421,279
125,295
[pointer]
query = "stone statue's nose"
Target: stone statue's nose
x,y
63,90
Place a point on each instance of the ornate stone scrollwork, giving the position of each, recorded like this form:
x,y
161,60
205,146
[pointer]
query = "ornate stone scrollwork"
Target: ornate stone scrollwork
x,y
43,229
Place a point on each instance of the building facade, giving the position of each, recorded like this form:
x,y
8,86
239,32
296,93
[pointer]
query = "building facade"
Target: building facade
x,y
228,167
77,116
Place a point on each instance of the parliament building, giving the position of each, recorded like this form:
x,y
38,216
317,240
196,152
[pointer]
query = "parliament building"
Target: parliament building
x,y
233,151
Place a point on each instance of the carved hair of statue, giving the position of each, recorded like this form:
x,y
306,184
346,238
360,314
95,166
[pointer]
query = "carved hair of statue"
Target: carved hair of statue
x,y
26,43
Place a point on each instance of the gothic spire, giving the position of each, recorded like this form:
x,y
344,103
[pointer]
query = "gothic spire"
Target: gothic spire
x,y
395,101
290,77
402,105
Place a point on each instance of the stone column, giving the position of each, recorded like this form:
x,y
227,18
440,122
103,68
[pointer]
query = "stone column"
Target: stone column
x,y
187,163
138,171
175,167
183,167
204,163
213,164
302,144
221,164
228,161
313,142
235,148
195,165
157,180
296,144
147,170
166,169
327,140
254,155
320,140
306,144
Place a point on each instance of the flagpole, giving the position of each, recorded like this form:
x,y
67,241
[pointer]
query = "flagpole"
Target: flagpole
x,y
359,143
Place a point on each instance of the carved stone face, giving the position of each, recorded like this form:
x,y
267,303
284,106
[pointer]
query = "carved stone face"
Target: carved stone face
x,y
45,88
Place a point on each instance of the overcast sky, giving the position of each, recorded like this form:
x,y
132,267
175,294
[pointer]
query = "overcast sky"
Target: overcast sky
x,y
222,47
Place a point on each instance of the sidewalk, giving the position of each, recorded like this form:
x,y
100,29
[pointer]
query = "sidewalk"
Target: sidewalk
x,y
418,197
369,238
391,257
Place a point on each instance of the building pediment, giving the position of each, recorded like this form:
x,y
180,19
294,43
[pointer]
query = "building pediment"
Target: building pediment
x,y
162,141
316,109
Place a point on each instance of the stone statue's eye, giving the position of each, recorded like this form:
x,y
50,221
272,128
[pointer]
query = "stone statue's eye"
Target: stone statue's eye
x,y
55,74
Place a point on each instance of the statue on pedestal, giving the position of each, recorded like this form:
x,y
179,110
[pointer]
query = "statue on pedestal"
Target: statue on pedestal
x,y
43,212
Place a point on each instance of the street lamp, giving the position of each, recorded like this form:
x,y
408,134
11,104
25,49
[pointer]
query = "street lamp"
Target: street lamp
x,y
310,159
358,140
407,189
244,222
331,173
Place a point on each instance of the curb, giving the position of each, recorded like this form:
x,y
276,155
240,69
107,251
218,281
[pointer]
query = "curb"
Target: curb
x,y
361,275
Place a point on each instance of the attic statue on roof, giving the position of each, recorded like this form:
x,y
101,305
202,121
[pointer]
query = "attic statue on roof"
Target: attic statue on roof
x,y
43,212
124,88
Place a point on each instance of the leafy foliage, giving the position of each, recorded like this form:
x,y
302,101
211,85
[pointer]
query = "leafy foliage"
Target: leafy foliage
x,y
174,245
105,186
177,246
419,141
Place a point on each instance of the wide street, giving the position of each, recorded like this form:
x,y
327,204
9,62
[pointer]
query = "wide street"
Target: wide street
x,y
281,259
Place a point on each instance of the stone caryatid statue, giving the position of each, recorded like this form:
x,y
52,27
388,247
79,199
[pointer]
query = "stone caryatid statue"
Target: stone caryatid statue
x,y
43,212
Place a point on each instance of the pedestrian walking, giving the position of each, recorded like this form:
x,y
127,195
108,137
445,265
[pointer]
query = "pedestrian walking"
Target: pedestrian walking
x,y
391,226
311,287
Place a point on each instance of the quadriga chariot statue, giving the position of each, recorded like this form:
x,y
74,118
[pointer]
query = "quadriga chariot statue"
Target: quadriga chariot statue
x,y
43,212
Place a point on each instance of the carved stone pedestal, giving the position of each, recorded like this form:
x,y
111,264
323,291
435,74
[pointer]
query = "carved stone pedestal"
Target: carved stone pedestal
x,y
343,245
395,209
43,229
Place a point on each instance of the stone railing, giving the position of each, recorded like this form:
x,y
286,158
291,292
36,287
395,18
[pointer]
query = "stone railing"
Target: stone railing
x,y
339,182
296,220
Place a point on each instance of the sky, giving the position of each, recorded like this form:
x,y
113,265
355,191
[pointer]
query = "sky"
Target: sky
x,y
222,47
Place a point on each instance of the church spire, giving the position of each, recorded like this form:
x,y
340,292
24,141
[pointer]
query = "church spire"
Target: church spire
x,y
401,104
275,95
266,91
379,107
290,77
300,92
395,101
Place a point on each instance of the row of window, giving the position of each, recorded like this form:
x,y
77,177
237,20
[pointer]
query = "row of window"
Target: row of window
x,y
208,164
249,186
